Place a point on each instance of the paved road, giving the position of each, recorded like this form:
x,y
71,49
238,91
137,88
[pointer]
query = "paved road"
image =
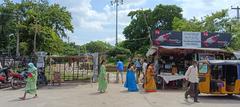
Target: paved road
x,y
85,95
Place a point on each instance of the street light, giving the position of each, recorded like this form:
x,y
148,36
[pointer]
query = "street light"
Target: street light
x,y
116,3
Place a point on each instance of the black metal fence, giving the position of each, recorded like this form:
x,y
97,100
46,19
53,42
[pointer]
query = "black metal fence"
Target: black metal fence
x,y
70,67
16,62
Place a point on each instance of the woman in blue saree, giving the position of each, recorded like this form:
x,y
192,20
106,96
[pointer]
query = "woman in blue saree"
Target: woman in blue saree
x,y
131,79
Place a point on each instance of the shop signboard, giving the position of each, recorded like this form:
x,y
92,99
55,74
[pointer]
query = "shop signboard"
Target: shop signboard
x,y
167,38
190,39
215,40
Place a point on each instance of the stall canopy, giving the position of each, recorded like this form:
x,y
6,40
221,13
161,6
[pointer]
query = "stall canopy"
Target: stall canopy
x,y
224,62
151,51
237,54
175,49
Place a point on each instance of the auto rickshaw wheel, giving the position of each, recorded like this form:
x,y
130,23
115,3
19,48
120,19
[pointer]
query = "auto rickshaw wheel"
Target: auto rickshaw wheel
x,y
230,94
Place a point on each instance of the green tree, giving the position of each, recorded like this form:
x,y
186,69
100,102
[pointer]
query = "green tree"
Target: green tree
x,y
70,49
216,22
38,23
143,21
235,30
97,46
119,51
23,48
193,25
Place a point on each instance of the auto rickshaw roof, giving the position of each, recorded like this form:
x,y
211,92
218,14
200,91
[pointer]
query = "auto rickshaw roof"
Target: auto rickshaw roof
x,y
223,62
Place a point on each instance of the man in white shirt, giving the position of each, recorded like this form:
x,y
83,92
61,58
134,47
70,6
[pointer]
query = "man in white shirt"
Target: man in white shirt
x,y
144,66
192,76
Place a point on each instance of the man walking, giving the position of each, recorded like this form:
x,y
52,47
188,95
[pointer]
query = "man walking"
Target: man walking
x,y
120,69
192,76
139,68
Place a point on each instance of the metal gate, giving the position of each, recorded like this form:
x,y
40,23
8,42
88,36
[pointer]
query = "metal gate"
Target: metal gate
x,y
70,67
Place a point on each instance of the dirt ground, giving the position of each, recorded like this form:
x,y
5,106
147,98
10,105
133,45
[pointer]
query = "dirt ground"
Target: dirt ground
x,y
79,94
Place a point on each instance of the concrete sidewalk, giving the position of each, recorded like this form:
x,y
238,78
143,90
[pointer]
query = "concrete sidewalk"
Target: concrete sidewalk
x,y
86,95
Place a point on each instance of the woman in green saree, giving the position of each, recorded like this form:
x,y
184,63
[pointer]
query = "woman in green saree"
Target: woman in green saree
x,y
31,86
102,80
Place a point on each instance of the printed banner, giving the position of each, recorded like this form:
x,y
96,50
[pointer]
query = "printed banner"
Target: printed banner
x,y
215,40
191,39
167,38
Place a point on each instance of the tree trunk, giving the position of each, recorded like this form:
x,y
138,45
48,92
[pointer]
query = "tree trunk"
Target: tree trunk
x,y
34,41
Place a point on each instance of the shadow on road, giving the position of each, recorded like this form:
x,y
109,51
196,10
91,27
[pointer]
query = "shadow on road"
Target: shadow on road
x,y
124,91
65,85
220,99
18,99
188,102
96,93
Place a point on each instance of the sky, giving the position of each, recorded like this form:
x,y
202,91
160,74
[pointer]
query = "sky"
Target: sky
x,y
95,19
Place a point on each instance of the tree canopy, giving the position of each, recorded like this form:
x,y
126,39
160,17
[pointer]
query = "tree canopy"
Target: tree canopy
x,y
216,22
143,21
96,46
169,17
42,21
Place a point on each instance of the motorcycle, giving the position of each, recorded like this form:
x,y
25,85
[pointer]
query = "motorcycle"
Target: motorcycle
x,y
18,79
5,77
42,80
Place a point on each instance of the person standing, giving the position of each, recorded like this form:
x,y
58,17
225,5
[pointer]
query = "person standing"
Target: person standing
x,y
144,66
156,65
31,86
138,68
130,79
150,84
120,69
192,76
102,79
0,65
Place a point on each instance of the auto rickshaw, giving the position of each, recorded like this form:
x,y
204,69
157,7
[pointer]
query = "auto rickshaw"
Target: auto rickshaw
x,y
219,77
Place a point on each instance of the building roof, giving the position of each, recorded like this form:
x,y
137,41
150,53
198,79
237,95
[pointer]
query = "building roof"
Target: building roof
x,y
154,49
223,62
190,48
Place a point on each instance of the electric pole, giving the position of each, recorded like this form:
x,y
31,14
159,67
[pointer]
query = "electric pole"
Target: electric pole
x,y
116,3
237,8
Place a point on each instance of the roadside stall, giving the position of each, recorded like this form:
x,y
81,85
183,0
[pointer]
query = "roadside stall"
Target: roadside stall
x,y
173,53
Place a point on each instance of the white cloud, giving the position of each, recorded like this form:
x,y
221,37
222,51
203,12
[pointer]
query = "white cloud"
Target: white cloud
x,y
200,8
91,24
85,17
112,39
95,24
121,37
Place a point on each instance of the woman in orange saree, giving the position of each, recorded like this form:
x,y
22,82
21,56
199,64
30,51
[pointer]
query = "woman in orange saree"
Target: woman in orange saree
x,y
150,84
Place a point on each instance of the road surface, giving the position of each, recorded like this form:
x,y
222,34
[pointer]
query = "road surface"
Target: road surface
x,y
78,94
